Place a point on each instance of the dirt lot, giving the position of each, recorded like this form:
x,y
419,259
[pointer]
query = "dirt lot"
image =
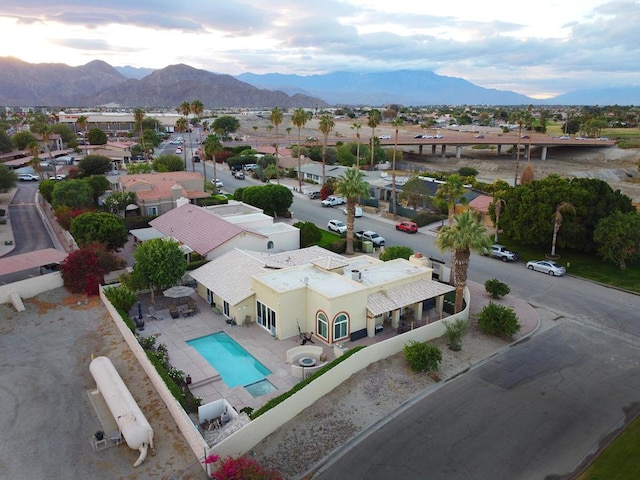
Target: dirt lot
x,y
47,419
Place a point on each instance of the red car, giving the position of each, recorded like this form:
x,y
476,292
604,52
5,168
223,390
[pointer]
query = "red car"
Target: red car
x,y
408,227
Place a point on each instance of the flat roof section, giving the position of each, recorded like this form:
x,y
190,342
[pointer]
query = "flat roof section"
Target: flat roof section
x,y
26,261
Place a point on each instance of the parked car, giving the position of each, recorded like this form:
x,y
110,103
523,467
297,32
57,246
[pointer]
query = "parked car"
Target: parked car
x,y
418,136
196,158
217,182
409,227
28,177
176,142
546,266
250,167
357,211
376,239
60,176
239,174
479,136
178,150
332,201
337,226
313,195
384,137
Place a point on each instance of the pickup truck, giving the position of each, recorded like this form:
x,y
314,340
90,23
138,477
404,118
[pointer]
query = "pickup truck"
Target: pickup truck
x,y
332,201
501,252
368,235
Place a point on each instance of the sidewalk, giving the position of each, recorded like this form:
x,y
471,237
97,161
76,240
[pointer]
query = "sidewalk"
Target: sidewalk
x,y
7,241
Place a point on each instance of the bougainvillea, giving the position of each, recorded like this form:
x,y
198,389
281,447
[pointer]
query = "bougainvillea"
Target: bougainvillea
x,y
239,468
83,270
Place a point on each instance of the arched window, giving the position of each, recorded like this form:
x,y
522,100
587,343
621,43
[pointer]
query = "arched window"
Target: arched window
x,y
269,245
322,326
340,327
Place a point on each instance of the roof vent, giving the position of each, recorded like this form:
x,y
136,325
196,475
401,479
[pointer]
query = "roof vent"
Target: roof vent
x,y
356,275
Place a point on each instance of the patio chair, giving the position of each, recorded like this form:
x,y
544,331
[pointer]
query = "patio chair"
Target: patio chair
x,y
173,310
191,305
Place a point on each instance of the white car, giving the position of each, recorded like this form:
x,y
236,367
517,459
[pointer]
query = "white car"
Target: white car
x,y
176,142
28,177
337,226
357,213
546,266
217,182
385,137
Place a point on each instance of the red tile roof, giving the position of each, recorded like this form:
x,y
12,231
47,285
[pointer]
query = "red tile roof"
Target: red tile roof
x,y
161,184
481,203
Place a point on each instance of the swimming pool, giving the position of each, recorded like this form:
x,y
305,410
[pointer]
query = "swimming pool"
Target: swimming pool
x,y
235,365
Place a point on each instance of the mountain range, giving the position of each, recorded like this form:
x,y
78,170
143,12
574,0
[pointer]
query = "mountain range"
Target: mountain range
x,y
99,84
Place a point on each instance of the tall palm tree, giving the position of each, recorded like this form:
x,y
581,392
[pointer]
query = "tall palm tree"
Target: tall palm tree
x,y
197,108
520,119
563,207
467,233
450,193
299,119
397,123
34,150
276,117
325,126
498,205
357,126
375,117
351,185
45,134
82,123
212,147
181,126
185,109
138,115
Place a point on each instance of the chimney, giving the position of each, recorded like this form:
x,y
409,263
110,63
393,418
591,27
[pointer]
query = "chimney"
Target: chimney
x,y
419,260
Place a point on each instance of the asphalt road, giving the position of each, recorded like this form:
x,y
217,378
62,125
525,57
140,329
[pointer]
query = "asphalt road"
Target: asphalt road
x,y
536,411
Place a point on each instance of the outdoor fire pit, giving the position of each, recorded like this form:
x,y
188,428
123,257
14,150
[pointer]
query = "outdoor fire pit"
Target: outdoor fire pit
x,y
307,362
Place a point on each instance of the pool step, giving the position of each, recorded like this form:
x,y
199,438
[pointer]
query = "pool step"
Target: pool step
x,y
205,381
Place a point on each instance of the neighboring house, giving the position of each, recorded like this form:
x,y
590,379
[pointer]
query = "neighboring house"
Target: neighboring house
x,y
480,205
158,193
119,151
212,232
315,290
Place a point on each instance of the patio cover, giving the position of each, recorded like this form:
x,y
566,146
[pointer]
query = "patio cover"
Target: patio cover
x,y
25,261
403,295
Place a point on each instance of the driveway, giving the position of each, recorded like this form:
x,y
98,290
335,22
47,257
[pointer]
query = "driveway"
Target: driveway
x,y
47,418
534,412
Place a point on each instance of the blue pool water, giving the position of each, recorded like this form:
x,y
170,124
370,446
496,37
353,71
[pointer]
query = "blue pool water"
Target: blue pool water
x,y
235,365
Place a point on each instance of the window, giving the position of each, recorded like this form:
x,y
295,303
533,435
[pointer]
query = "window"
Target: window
x,y
225,309
266,317
322,326
152,210
340,327
269,245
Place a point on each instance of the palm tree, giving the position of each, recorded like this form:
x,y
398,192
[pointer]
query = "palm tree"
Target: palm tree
x,y
520,119
276,118
451,192
81,123
197,108
397,123
467,233
325,126
375,117
351,185
288,129
185,109
357,126
138,115
181,126
498,205
212,147
34,150
563,207
299,119
45,133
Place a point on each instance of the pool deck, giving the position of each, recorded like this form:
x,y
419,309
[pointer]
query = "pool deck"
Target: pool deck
x,y
206,382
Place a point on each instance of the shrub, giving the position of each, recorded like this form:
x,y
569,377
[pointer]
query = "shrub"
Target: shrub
x,y
396,251
239,468
310,234
454,332
498,320
496,288
121,297
422,357
339,246
426,218
467,172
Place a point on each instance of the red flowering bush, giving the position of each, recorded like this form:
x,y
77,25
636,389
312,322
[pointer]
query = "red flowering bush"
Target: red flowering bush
x,y
239,468
84,269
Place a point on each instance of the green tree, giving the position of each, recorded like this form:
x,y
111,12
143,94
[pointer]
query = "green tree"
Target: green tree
x,y
5,142
462,236
139,168
185,109
97,137
182,124
99,184
226,125
396,123
159,263
72,193
46,188
299,119
105,228
168,163
450,193
357,126
414,192
276,118
325,126
81,123
8,179
273,199
618,238
396,251
212,147
310,234
117,202
351,185
94,165
138,116
375,117
22,139
197,108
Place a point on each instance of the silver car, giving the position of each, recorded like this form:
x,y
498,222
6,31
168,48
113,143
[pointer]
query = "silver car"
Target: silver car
x,y
547,266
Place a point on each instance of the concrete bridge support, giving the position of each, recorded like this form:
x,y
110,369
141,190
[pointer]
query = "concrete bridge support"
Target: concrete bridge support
x,y
444,151
543,154
458,152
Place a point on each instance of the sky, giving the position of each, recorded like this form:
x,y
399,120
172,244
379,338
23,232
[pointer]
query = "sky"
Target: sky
x,y
541,48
